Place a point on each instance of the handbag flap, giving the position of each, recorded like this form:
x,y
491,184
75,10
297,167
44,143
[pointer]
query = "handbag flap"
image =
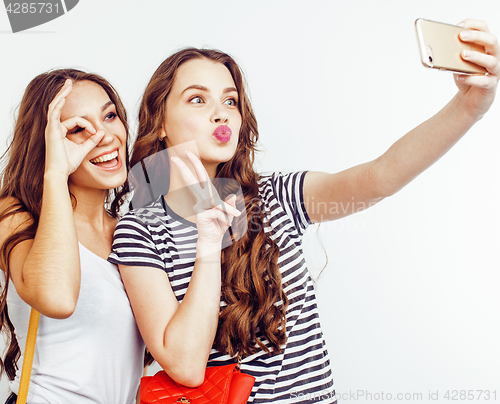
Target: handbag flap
x,y
241,388
161,389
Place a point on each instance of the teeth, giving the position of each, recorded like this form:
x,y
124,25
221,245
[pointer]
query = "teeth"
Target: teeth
x,y
106,157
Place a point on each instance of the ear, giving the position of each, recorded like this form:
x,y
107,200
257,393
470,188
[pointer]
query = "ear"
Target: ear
x,y
162,135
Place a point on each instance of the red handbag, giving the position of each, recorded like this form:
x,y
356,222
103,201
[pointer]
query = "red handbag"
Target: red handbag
x,y
222,385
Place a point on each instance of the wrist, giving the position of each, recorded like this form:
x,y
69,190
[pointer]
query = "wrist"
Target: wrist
x,y
464,111
210,250
55,175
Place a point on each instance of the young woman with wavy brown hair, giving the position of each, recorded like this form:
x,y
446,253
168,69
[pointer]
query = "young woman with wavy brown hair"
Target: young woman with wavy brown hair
x,y
268,314
63,184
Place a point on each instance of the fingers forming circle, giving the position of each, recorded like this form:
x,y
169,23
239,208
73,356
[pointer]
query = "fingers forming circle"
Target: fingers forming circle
x,y
78,121
54,114
92,142
63,93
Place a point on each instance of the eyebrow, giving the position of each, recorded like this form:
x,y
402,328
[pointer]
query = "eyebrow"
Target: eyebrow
x,y
103,108
203,88
106,105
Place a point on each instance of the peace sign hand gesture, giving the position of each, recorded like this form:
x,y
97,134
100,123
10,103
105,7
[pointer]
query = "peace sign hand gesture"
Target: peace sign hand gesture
x,y
61,154
213,216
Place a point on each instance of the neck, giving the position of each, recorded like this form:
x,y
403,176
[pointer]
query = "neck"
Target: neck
x,y
90,207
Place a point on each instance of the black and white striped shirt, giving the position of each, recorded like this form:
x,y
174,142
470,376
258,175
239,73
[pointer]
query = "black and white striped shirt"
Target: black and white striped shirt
x,y
155,236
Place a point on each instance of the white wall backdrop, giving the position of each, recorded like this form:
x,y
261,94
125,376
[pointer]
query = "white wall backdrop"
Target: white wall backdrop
x,y
409,299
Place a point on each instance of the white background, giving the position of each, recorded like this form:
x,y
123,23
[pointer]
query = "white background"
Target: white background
x,y
409,299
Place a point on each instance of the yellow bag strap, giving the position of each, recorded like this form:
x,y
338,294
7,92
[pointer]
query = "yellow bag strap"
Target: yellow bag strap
x,y
29,353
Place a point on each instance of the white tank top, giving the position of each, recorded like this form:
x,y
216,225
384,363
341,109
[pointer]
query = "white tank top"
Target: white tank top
x,y
95,355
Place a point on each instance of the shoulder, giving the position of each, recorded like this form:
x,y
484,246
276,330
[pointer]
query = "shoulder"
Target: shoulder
x,y
276,183
279,176
12,218
141,224
283,194
144,215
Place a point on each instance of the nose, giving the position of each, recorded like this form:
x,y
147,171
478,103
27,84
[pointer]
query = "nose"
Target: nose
x,y
107,138
219,115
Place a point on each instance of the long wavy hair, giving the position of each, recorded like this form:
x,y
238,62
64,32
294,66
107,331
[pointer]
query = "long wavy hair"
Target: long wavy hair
x,y
22,177
251,281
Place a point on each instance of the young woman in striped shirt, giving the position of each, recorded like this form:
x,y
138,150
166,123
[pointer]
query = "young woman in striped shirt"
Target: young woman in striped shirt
x,y
268,314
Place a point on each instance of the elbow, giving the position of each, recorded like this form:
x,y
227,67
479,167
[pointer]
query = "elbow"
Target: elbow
x,y
383,182
185,362
55,306
190,379
52,296
189,376
385,191
61,311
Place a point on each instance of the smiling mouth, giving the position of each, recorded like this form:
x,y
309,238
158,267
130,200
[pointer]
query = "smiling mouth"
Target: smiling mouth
x,y
105,158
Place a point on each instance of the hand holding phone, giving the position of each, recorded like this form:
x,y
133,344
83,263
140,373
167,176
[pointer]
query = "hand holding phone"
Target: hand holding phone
x,y
441,47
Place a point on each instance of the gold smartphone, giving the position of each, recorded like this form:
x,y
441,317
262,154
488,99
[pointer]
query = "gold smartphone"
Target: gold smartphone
x,y
440,47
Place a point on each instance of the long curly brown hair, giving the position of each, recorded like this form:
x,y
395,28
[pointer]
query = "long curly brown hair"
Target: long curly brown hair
x,y
251,280
22,177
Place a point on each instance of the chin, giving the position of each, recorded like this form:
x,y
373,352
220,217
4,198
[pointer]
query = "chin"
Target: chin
x,y
118,183
215,162
223,156
97,183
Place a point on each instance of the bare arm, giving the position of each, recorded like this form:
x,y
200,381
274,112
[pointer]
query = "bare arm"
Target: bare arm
x,y
46,270
362,186
179,336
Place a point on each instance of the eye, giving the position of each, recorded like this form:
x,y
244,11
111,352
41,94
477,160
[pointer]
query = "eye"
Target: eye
x,y
196,100
111,116
231,102
76,129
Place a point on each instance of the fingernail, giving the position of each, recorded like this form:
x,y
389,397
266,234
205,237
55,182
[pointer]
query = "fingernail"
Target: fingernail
x,y
173,158
466,54
461,24
464,34
461,78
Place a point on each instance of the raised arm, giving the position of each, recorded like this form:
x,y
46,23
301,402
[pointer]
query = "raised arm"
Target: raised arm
x,y
180,336
46,270
360,187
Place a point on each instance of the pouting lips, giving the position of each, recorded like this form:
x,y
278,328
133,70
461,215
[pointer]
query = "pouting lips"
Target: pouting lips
x,y
105,158
223,133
